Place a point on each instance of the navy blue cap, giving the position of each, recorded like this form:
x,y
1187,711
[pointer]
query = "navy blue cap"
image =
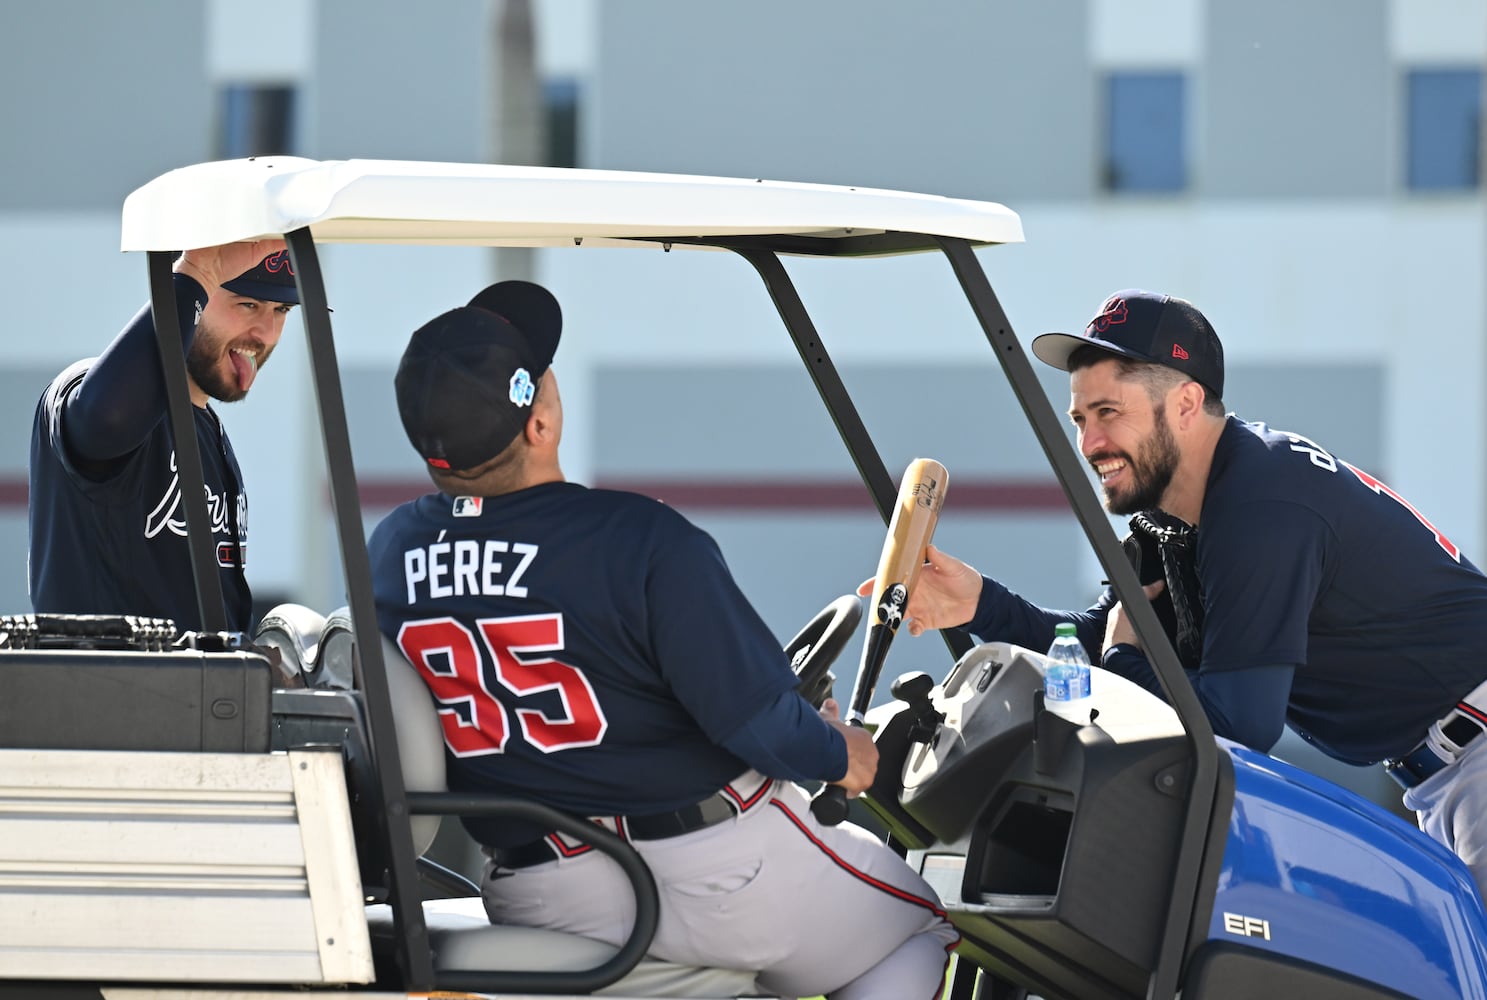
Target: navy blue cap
x,y
1146,326
271,280
467,379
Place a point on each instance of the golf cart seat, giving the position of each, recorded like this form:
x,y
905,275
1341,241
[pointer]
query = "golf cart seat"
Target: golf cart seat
x,y
314,650
460,934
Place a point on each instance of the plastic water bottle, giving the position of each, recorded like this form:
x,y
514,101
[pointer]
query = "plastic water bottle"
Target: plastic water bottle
x,y
1066,680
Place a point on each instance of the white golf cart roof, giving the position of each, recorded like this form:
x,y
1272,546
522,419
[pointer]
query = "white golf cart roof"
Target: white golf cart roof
x,y
398,201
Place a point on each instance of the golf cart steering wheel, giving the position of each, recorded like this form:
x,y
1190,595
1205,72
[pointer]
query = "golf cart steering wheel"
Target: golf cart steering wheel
x,y
816,647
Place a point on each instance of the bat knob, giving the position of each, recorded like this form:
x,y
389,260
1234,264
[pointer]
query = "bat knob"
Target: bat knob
x,y
830,805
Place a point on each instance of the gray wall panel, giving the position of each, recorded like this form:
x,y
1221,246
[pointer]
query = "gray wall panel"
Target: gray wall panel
x,y
99,98
20,389
767,420
378,445
1340,407
950,97
14,600
394,82
1297,100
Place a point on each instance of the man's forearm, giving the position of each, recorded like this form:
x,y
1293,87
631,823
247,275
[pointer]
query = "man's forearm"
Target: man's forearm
x,y
122,397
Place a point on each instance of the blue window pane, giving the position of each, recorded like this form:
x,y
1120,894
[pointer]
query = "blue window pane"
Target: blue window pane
x,y
1445,116
561,97
255,121
1144,132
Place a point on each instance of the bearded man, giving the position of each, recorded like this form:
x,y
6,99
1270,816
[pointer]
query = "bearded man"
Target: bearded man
x,y
1297,589
108,532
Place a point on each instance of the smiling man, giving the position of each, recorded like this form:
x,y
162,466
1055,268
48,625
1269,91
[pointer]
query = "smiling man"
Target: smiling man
x,y
1297,589
108,532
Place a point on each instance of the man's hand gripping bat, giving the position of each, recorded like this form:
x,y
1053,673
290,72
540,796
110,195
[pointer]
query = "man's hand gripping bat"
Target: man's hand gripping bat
x,y
921,493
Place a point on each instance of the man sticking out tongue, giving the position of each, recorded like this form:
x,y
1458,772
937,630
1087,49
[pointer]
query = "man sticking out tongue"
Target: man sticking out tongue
x,y
108,532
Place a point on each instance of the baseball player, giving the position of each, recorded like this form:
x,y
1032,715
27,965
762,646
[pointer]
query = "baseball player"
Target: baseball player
x,y
108,533
589,649
1297,589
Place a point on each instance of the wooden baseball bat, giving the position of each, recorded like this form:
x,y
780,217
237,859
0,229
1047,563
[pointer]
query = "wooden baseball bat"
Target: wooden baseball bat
x,y
921,494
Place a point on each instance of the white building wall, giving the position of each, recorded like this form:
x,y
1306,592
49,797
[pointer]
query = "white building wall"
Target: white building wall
x,y
1437,31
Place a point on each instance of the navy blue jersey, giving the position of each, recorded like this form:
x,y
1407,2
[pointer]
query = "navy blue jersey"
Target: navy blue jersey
x,y
588,648
1306,562
117,545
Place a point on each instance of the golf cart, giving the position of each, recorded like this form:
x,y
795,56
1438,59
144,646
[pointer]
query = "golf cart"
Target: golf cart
x,y
196,831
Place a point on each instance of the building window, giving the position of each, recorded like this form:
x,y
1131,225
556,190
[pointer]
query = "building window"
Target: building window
x,y
560,104
1445,124
1144,136
255,121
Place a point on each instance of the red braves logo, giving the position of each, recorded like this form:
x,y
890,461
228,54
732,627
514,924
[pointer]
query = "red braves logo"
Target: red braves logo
x,y
274,263
1111,313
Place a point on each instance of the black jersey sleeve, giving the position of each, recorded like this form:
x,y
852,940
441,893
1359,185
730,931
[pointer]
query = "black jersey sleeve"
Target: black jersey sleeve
x,y
1246,706
114,407
713,650
788,739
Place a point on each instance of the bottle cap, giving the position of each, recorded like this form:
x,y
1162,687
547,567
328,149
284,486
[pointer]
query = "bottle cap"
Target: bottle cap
x,y
1065,628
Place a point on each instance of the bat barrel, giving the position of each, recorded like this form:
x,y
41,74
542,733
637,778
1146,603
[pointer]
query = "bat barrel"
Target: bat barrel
x,y
921,493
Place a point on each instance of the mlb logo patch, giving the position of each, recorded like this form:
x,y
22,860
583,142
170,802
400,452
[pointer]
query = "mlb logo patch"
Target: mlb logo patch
x,y
467,506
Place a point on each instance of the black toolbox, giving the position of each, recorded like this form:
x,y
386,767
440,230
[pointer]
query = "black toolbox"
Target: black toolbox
x,y
94,682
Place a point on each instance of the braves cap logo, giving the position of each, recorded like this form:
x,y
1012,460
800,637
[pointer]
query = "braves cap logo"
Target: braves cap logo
x,y
274,263
522,389
1111,313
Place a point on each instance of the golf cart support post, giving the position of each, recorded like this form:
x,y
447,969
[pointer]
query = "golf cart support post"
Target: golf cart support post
x,y
368,201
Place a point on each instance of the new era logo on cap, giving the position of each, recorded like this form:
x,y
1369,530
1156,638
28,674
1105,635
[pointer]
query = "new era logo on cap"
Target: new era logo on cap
x,y
1146,326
